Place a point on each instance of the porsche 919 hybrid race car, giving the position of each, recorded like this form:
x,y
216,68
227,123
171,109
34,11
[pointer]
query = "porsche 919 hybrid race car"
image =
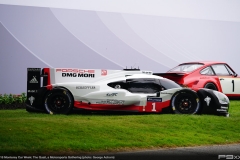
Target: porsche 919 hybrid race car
x,y
60,90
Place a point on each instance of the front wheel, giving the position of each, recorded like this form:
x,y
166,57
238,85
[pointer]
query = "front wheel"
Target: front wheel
x,y
58,101
185,102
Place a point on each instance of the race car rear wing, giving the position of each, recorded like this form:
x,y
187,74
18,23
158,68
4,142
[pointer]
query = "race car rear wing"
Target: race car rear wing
x,y
36,78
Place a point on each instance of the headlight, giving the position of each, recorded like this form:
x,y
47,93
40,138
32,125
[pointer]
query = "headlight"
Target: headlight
x,y
223,99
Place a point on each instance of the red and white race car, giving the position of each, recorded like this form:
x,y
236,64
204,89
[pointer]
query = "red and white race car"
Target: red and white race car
x,y
206,74
60,90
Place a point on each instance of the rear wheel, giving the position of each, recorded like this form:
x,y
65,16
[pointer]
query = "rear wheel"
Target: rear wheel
x,y
210,86
58,101
185,102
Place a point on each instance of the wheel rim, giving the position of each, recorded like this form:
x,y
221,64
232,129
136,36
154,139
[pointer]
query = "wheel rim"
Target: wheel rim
x,y
185,103
57,103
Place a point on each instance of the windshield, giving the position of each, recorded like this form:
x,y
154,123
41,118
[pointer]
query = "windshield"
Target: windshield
x,y
186,68
169,84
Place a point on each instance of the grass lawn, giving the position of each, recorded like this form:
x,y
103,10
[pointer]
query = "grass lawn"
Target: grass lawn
x,y
23,133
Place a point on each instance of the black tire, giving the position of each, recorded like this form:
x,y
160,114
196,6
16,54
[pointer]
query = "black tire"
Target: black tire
x,y
211,86
185,102
58,101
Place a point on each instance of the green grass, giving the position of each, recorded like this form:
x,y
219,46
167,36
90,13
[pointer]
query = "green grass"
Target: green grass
x,y
23,133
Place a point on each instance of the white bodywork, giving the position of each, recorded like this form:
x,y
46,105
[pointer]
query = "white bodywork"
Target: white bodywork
x,y
134,90
94,89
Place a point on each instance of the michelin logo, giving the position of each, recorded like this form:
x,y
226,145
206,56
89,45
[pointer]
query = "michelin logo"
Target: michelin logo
x,y
31,99
207,100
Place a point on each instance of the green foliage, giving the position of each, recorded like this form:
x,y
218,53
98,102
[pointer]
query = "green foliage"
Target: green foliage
x,y
12,99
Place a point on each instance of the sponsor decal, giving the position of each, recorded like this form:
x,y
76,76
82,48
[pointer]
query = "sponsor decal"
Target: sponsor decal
x,y
34,69
68,72
224,110
111,101
166,93
31,99
32,91
111,94
89,71
33,80
104,72
224,107
87,75
204,77
207,100
146,72
154,99
85,87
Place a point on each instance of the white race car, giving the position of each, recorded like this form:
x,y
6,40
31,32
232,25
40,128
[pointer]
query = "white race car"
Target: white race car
x,y
60,90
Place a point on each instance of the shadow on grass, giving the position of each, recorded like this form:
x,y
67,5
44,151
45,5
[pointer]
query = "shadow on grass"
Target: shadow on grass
x,y
110,113
101,113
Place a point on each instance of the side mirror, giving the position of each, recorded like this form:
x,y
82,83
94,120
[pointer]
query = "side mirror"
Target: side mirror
x,y
235,74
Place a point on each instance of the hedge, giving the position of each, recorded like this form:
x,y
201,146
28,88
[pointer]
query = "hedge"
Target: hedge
x,y
11,101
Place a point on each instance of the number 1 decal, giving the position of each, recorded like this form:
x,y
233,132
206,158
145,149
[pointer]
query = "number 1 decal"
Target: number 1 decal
x,y
154,107
233,84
